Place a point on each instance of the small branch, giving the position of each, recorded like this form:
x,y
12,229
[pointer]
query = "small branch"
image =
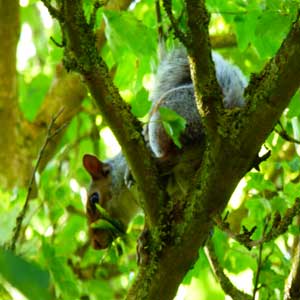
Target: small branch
x,y
52,10
178,33
225,282
282,132
160,30
259,264
278,227
21,216
127,129
97,5
292,287
57,44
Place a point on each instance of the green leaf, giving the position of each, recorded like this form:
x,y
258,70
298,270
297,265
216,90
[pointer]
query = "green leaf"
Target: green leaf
x,y
269,38
173,123
4,294
140,105
65,281
245,25
32,95
294,107
124,30
256,181
25,276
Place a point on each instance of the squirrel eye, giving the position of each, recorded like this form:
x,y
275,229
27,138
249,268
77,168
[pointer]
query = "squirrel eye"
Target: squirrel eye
x,y
94,199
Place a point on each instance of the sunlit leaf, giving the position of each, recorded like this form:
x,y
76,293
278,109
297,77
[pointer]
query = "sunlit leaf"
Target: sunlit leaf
x,y
25,276
173,123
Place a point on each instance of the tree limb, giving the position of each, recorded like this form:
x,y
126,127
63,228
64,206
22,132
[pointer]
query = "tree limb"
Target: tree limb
x,y
279,227
225,282
81,55
207,90
51,132
223,165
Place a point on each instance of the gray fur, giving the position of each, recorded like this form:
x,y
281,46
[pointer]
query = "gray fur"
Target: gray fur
x,y
173,89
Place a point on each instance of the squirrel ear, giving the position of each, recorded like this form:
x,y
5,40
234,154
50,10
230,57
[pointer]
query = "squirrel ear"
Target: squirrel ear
x,y
94,166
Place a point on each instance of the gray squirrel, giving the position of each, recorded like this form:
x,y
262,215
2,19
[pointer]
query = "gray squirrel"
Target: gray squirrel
x,y
173,89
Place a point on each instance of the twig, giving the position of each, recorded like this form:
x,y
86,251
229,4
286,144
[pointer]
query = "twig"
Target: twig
x,y
292,286
285,135
160,31
178,33
20,218
279,226
97,5
225,282
259,263
57,44
52,10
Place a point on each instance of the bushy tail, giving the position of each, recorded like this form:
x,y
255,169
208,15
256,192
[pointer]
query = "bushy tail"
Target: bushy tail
x,y
174,71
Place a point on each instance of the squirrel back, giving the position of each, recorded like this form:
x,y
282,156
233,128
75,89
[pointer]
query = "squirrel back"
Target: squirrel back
x,y
173,88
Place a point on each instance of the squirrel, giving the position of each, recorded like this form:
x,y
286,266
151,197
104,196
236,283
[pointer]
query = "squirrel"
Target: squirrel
x,y
108,190
173,89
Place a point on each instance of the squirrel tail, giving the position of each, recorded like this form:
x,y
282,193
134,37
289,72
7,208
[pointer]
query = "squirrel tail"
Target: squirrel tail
x,y
174,71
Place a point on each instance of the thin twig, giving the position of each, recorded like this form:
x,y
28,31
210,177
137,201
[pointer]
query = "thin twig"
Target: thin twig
x,y
52,10
259,263
97,5
21,216
160,30
285,135
178,33
279,227
225,282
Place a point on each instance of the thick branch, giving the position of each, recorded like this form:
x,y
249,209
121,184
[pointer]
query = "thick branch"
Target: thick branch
x,y
9,115
207,90
81,48
67,91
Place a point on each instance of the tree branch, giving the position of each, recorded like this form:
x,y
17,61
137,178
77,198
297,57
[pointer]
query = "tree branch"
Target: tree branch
x,y
224,165
279,227
50,134
178,33
292,287
10,116
81,55
207,90
225,282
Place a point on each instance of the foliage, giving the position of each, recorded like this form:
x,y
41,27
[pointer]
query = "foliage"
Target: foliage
x,y
54,233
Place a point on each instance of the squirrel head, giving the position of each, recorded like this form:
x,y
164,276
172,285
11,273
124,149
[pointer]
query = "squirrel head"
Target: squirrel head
x,y
99,194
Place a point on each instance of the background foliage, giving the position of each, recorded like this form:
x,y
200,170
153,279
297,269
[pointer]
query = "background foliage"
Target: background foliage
x,y
54,246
